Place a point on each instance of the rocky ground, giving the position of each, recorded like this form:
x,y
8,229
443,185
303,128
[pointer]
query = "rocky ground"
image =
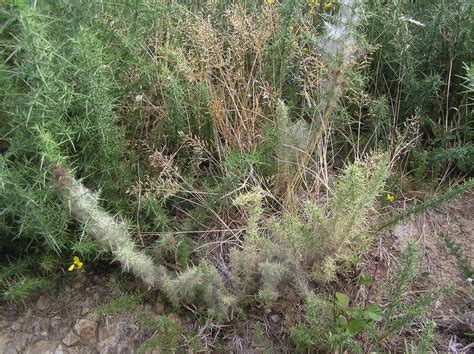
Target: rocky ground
x,y
64,323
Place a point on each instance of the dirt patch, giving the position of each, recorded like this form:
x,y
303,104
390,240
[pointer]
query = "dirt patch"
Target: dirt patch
x,y
440,267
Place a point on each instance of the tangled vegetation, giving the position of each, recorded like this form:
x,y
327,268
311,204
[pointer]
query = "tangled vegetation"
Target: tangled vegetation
x,y
234,156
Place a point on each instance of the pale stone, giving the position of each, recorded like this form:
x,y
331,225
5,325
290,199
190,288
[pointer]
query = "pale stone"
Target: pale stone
x,y
93,316
10,349
16,326
71,339
42,347
43,303
5,338
275,318
107,330
85,310
58,329
21,340
4,323
40,326
61,350
86,329
117,336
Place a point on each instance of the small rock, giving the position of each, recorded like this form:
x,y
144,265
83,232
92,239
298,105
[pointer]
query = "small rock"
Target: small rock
x,y
85,310
93,316
43,347
21,340
107,346
43,303
61,350
4,323
10,349
86,329
109,336
40,326
5,338
118,336
16,326
107,330
71,339
125,348
275,318
58,329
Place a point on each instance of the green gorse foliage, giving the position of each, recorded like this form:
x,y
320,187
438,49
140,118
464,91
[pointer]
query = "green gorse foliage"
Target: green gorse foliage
x,y
458,252
449,194
428,86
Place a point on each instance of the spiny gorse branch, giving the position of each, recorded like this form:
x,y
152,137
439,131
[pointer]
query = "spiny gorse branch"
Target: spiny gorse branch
x,y
201,284
113,235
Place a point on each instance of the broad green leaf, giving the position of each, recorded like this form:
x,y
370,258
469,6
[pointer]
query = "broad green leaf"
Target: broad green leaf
x,y
342,300
374,312
355,325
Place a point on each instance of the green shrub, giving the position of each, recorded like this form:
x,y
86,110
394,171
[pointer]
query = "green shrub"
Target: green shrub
x,y
337,325
419,67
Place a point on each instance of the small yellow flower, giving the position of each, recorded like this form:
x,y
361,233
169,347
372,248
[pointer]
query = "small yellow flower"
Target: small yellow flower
x,y
327,5
390,197
76,264
270,2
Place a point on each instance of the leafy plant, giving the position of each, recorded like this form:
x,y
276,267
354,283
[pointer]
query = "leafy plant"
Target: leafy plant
x,y
338,326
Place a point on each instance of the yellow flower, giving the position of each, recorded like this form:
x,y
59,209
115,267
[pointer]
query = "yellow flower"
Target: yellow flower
x,y
327,5
270,2
390,197
76,264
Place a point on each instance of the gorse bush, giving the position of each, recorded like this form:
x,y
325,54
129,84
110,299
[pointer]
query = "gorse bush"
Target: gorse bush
x,y
321,241
429,87
227,154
